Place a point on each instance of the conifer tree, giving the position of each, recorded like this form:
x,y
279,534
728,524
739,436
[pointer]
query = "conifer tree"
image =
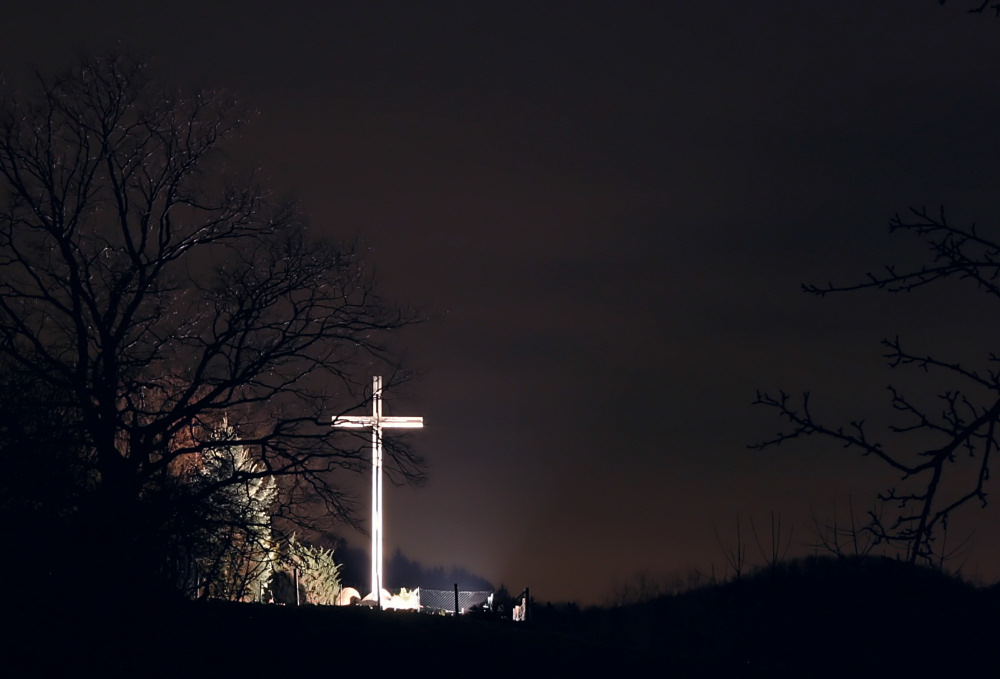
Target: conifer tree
x,y
318,572
236,555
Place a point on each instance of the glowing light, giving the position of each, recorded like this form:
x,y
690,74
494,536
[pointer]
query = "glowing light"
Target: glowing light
x,y
377,422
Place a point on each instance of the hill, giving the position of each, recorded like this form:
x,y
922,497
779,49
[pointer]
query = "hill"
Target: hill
x,y
815,617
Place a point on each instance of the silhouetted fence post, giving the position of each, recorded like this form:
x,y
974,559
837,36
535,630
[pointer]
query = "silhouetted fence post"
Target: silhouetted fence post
x,y
456,599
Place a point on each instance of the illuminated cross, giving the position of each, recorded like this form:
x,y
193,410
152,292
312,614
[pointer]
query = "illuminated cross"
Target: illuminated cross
x,y
377,423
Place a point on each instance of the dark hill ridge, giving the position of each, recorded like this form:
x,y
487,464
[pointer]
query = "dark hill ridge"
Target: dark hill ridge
x,y
815,617
818,617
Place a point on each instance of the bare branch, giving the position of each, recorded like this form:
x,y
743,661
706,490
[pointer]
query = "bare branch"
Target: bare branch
x,y
926,447
151,294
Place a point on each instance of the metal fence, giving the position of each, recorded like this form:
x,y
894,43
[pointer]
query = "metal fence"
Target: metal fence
x,y
443,601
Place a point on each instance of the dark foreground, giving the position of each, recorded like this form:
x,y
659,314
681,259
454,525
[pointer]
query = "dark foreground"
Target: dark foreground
x,y
810,618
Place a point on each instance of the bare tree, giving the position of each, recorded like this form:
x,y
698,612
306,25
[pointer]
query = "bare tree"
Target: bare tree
x,y
736,557
850,539
943,458
778,544
148,291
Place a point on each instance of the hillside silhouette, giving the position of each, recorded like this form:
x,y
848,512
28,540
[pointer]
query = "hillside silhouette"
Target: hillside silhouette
x,y
811,617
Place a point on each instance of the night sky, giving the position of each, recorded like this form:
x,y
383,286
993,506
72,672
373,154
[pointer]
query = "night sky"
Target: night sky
x,y
606,211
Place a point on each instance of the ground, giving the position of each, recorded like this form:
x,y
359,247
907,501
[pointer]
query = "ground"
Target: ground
x,y
819,617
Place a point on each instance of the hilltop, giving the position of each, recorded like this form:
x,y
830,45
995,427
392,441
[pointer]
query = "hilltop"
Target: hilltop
x,y
811,617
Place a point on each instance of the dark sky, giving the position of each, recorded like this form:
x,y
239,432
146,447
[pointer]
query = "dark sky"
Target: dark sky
x,y
608,209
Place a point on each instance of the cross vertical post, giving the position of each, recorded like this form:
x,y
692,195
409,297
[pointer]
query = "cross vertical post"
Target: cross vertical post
x,y
377,422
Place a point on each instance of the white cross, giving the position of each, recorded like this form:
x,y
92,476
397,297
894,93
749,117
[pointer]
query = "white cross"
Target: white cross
x,y
377,423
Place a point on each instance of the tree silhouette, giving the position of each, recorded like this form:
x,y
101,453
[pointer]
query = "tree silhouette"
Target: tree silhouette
x,y
150,291
980,6
943,457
